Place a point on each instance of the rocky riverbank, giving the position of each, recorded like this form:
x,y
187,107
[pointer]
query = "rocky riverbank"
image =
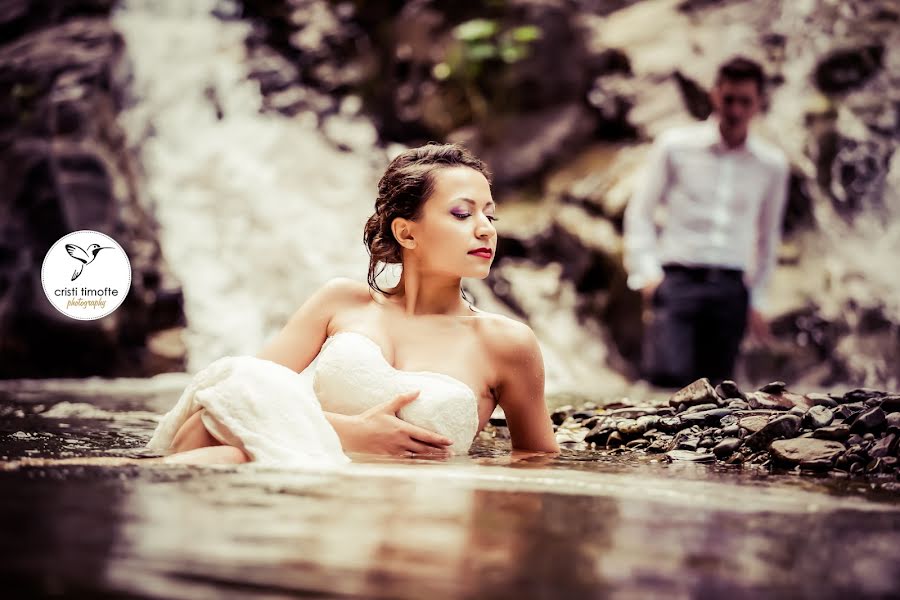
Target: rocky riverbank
x,y
856,433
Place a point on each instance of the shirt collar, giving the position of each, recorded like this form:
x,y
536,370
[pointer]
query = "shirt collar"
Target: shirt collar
x,y
712,138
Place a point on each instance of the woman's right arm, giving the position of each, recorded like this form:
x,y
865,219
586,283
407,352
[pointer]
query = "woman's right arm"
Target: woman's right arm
x,y
377,430
300,340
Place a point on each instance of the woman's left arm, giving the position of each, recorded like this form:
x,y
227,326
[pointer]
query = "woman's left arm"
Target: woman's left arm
x,y
521,389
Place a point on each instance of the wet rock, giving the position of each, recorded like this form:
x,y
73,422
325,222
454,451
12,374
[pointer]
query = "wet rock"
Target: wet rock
x,y
660,445
614,440
845,69
706,442
726,447
817,417
893,421
737,458
731,430
885,446
648,422
785,426
775,387
698,392
832,432
688,443
819,464
861,395
582,415
797,410
890,404
699,408
561,414
764,400
728,420
805,450
529,142
630,428
846,411
593,421
671,424
821,400
728,390
708,417
599,435
870,420
754,423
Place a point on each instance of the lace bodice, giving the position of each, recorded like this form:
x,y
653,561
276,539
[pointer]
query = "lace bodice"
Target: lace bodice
x,y
352,375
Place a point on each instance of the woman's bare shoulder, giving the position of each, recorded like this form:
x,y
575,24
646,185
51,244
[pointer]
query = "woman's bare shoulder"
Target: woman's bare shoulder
x,y
344,291
506,338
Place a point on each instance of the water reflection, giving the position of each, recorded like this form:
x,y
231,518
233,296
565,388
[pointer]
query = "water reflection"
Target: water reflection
x,y
492,524
405,531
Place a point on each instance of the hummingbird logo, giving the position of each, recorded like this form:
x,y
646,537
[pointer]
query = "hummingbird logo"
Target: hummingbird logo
x,y
84,258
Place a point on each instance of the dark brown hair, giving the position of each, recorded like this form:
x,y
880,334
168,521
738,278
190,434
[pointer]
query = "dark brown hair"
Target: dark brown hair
x,y
403,189
740,68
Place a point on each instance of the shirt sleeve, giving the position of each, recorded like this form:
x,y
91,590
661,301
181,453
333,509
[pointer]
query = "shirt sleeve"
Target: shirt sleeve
x,y
771,217
641,258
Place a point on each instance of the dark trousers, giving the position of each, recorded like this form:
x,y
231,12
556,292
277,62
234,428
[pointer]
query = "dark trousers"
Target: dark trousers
x,y
697,322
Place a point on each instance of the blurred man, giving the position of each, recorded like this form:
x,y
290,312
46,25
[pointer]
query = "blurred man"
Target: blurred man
x,y
703,274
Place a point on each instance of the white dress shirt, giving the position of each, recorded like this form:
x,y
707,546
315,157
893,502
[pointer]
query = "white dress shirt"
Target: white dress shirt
x,y
724,207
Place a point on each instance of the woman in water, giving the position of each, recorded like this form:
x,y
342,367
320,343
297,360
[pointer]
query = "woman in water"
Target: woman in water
x,y
413,370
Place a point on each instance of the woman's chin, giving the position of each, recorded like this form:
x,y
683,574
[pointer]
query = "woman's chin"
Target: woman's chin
x,y
481,273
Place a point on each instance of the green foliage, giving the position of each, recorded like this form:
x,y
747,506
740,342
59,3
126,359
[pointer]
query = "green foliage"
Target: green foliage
x,y
483,40
473,65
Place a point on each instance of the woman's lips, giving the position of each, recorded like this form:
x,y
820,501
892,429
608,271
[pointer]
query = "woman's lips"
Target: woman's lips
x,y
482,252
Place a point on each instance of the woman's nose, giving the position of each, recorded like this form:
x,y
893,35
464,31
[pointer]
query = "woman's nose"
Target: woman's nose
x,y
485,229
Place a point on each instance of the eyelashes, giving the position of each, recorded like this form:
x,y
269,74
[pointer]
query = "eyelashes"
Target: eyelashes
x,y
462,216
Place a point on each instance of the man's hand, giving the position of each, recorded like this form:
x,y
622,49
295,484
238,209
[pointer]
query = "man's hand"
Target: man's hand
x,y
648,290
380,431
647,299
758,327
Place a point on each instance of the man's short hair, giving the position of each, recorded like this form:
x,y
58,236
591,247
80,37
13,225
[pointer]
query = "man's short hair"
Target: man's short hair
x,y
740,68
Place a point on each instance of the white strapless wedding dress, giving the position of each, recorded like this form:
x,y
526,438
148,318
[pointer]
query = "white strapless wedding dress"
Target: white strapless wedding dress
x,y
276,415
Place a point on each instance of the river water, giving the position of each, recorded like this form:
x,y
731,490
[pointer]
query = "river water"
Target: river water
x,y
586,524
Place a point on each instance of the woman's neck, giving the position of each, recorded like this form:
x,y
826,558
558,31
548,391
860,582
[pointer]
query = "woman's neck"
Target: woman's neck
x,y
420,294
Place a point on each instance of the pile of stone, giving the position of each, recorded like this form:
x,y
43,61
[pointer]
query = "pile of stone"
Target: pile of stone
x,y
854,433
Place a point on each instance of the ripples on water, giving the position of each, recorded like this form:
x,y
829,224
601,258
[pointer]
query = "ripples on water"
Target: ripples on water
x,y
586,524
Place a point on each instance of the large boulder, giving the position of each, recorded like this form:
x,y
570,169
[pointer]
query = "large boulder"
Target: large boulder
x,y
64,167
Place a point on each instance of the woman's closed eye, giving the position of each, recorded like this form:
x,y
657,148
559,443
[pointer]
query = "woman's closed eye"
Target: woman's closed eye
x,y
462,216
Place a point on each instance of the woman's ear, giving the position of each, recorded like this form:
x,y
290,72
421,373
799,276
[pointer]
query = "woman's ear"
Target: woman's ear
x,y
402,230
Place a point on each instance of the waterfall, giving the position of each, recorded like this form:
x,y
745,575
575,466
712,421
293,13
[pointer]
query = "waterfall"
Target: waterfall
x,y
256,210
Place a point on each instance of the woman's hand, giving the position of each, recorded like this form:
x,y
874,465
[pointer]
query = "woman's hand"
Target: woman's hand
x,y
380,431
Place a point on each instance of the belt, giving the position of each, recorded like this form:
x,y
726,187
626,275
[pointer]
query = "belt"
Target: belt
x,y
705,272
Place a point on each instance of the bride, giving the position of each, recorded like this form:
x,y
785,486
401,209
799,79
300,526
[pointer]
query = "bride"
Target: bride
x,y
413,370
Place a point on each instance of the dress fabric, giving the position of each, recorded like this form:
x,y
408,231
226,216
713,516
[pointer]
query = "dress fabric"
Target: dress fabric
x,y
276,415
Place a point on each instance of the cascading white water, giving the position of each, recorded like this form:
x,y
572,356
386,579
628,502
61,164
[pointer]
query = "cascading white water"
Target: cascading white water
x,y
847,261
256,210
